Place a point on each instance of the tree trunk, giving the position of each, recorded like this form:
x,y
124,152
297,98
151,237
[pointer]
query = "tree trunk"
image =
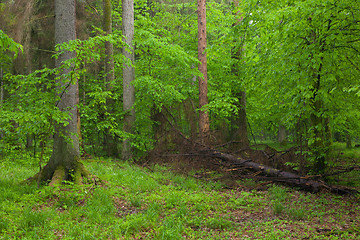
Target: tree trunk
x,y
348,141
318,146
282,135
240,134
110,145
64,162
128,74
204,122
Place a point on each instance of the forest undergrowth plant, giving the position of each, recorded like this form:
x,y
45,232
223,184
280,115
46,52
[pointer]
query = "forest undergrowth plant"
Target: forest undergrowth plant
x,y
278,196
136,200
171,210
171,228
100,207
33,219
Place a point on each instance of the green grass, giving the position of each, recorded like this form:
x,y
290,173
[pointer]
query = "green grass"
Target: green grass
x,y
142,203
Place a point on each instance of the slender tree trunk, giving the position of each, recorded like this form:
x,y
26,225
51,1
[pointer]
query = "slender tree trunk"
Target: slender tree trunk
x,y
240,120
110,145
128,74
204,122
318,145
348,141
282,134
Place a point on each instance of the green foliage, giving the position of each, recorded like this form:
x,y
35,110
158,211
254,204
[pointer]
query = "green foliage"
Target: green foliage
x,y
8,50
32,219
299,59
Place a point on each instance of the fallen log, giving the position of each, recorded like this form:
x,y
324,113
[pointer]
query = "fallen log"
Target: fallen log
x,y
288,178
302,182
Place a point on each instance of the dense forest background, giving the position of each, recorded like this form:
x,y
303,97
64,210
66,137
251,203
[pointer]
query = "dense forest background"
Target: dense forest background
x,y
283,72
160,119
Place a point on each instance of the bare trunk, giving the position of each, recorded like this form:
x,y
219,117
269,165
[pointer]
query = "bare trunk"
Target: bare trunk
x,y
282,134
128,74
241,134
204,122
319,145
66,153
110,143
348,141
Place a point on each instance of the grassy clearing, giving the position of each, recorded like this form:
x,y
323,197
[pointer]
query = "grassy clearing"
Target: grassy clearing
x,y
154,203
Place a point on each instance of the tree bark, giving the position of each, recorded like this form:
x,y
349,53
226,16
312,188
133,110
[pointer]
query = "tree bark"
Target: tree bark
x,y
318,146
240,134
128,74
110,144
64,162
204,122
282,135
348,140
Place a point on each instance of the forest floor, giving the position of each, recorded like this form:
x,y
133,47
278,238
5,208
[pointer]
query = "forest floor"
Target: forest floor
x,y
155,200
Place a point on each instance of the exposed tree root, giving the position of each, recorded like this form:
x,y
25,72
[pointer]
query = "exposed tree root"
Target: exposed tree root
x,y
58,176
78,174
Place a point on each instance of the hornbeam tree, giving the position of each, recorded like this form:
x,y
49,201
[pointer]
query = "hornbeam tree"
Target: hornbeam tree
x,y
128,74
240,120
110,142
64,163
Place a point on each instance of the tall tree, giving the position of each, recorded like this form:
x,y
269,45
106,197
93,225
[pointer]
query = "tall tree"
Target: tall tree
x,y
204,122
128,74
64,162
240,121
109,73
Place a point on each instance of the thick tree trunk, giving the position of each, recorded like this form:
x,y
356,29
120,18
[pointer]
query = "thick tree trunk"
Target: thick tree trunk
x,y
204,122
64,162
128,74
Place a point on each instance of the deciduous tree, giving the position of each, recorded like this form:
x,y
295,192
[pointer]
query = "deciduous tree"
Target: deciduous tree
x,y
128,75
64,163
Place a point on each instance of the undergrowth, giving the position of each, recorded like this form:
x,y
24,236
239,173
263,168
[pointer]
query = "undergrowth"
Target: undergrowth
x,y
154,203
